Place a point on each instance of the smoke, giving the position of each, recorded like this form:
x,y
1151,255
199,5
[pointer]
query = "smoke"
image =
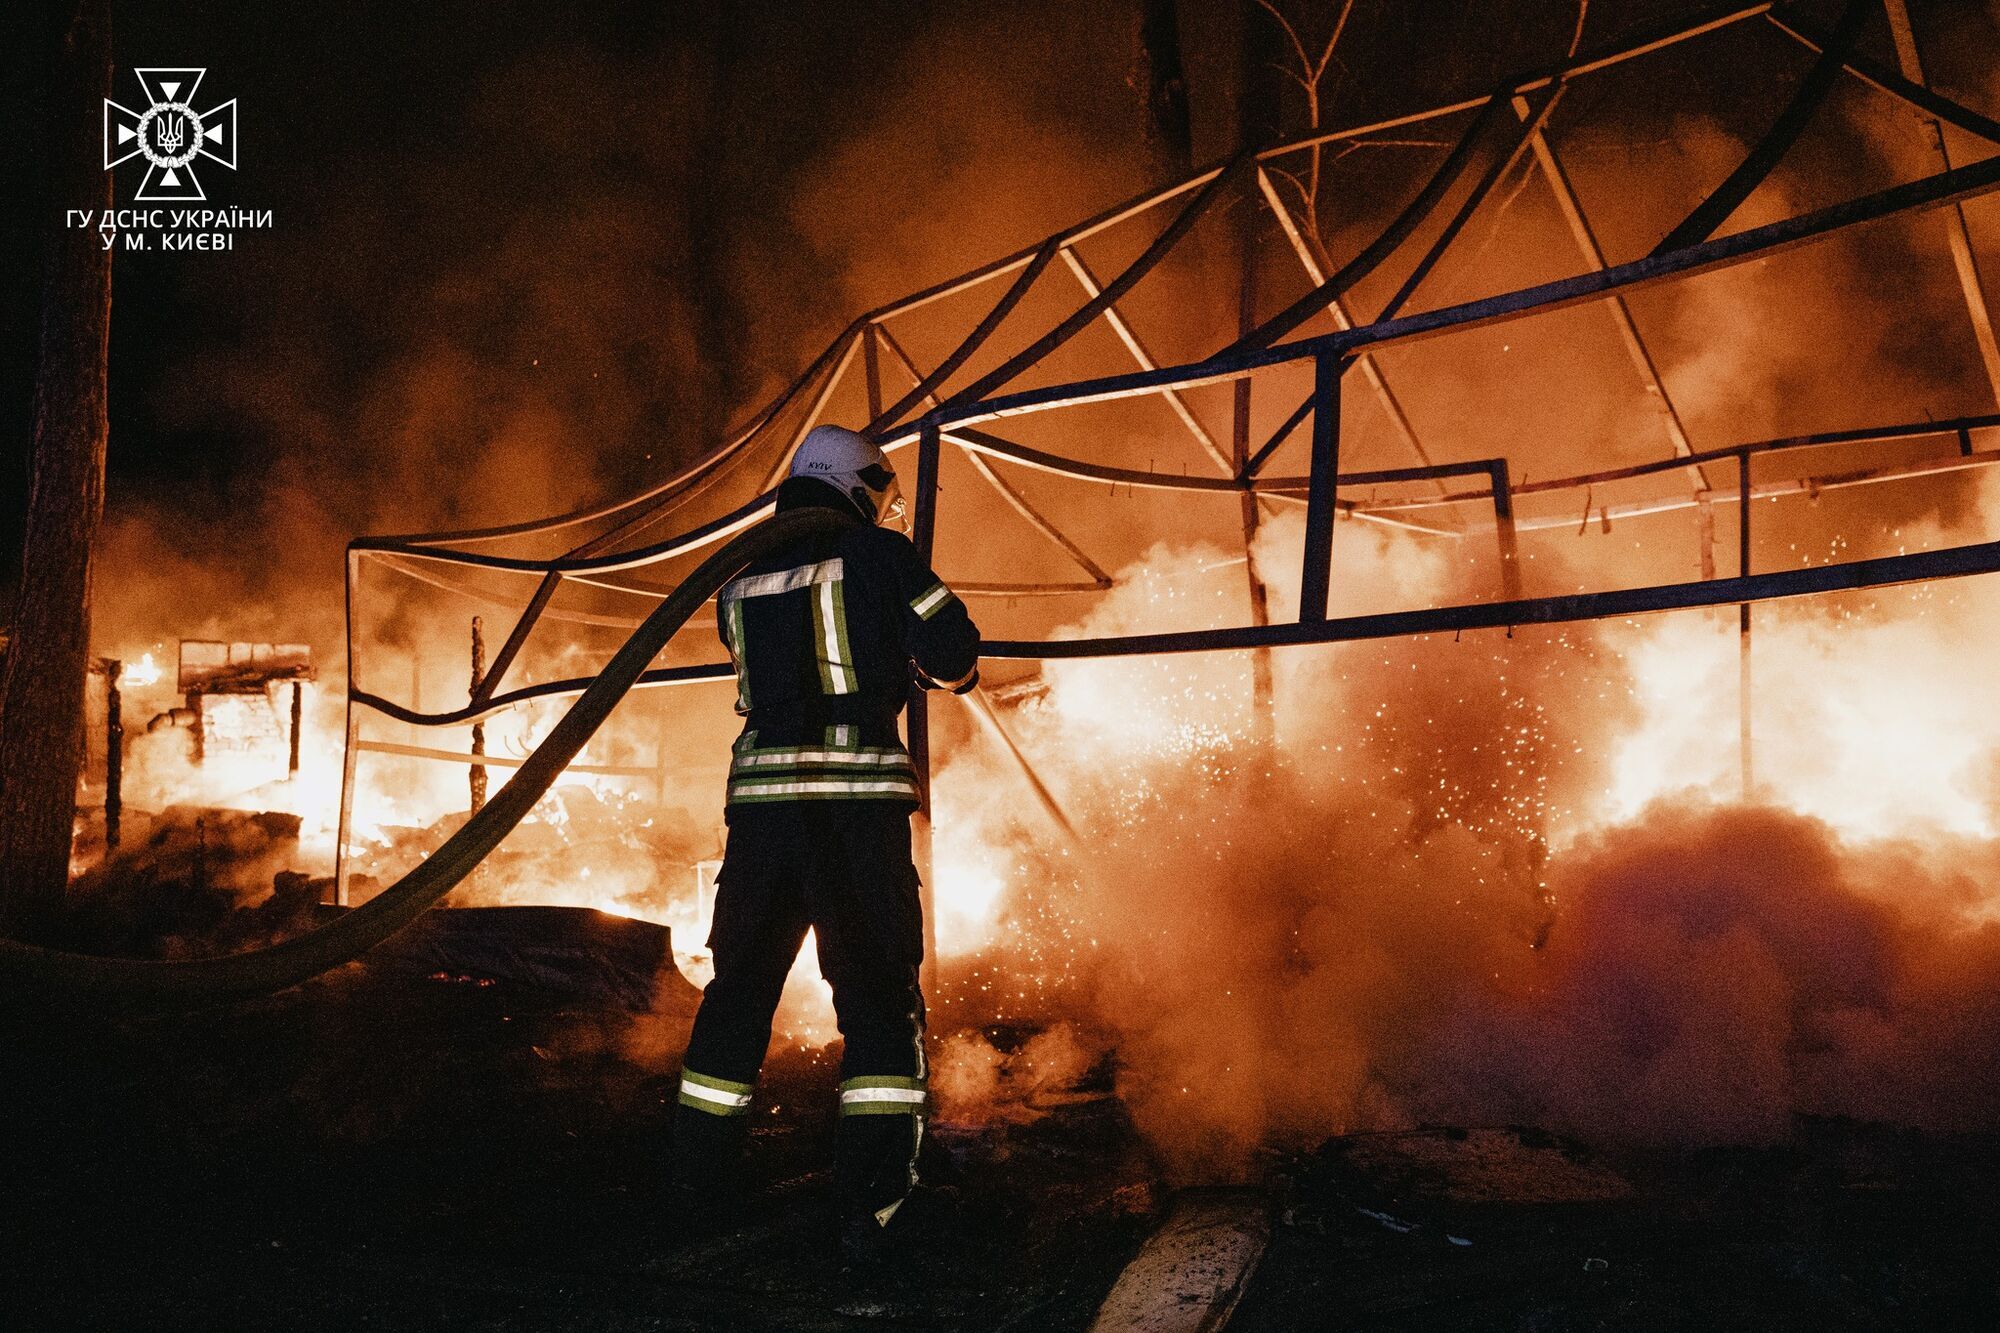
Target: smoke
x,y
1714,972
548,298
975,1083
1489,877
1465,881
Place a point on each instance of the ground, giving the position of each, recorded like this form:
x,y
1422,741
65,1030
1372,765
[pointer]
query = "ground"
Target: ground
x,y
378,1151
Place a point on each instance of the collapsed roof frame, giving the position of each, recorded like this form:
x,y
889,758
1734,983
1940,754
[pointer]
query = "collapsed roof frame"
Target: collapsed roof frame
x,y
958,417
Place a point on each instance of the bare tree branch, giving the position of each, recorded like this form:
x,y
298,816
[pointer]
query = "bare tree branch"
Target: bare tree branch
x,y
1291,33
1310,76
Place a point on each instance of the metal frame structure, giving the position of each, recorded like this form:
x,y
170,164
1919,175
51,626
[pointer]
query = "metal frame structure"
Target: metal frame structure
x,y
949,404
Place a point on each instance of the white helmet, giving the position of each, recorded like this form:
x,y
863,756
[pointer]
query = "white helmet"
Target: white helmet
x,y
852,465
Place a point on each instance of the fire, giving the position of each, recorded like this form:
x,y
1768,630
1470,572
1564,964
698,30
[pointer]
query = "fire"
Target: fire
x,y
1878,726
141,673
967,892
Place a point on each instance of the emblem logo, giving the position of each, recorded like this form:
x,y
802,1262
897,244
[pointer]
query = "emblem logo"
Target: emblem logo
x,y
170,134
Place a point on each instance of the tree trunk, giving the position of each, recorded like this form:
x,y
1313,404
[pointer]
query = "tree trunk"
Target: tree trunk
x,y
1169,128
42,677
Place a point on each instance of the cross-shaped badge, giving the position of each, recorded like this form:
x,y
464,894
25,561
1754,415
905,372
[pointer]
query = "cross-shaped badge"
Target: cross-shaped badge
x,y
170,133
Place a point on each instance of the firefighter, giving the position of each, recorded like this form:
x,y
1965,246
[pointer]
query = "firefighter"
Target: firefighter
x,y
826,637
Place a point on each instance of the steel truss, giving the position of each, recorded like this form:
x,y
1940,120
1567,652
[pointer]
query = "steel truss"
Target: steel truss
x,y
604,547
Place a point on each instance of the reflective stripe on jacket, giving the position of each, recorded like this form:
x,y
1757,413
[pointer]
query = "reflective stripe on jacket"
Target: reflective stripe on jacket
x,y
824,636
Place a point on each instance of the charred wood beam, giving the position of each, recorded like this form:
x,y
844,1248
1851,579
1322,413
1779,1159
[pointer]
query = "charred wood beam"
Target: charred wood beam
x,y
476,779
114,749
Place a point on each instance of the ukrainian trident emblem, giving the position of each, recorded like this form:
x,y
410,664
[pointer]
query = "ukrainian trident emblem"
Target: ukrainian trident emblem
x,y
170,134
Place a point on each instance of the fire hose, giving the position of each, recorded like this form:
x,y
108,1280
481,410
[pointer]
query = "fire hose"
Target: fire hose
x,y
30,974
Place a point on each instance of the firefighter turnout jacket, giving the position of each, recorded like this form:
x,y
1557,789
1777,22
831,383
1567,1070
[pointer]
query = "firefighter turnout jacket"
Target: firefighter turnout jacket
x,y
823,637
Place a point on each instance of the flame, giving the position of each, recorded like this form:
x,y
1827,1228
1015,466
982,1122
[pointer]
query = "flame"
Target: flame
x,y
966,894
140,674
1877,727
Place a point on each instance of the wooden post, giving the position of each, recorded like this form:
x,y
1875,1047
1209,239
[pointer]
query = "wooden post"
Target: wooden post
x,y
114,753
298,714
477,780
197,728
924,534
1743,621
1322,489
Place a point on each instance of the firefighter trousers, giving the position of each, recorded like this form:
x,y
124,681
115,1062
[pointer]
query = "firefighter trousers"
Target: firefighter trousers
x,y
841,868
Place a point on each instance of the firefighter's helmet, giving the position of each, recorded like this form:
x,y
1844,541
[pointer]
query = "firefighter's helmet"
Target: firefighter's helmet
x,y
852,465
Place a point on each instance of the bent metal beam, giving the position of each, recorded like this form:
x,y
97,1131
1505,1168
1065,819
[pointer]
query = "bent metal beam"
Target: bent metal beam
x,y
1569,608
